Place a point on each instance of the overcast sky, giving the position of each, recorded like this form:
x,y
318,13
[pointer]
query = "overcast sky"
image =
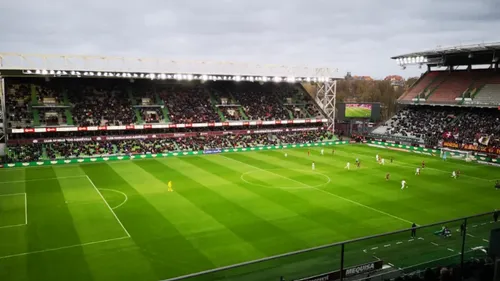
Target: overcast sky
x,y
356,35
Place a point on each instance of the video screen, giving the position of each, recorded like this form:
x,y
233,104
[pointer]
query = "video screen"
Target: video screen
x,y
358,110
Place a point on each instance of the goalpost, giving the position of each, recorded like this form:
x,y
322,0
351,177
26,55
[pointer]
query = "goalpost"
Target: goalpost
x,y
457,154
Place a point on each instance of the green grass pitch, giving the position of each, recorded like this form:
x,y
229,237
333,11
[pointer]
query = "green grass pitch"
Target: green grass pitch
x,y
358,112
117,221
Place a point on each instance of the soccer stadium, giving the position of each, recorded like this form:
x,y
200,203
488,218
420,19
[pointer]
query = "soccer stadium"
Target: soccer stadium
x,y
129,169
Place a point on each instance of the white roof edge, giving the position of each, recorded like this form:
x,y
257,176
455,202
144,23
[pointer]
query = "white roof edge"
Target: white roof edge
x,y
17,61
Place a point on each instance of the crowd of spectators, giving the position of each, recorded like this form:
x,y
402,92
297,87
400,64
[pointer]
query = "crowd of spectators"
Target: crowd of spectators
x,y
188,104
474,270
95,102
17,104
432,124
37,151
108,105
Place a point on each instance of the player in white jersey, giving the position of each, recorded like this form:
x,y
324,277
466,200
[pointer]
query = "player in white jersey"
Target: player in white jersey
x,y
348,166
322,152
286,154
382,161
313,166
454,175
403,184
376,157
417,172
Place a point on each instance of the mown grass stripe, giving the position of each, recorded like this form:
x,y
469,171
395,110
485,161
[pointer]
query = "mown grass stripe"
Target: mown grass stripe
x,y
243,223
168,252
50,226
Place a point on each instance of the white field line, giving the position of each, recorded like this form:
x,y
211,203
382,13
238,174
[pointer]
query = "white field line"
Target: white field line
x,y
116,191
61,248
14,225
12,194
42,179
25,208
324,191
109,207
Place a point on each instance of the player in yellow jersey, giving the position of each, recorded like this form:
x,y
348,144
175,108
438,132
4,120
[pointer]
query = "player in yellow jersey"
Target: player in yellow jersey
x,y
170,186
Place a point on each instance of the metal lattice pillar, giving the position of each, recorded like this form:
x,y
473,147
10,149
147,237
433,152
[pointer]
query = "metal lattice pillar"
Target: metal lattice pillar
x,y
3,118
326,97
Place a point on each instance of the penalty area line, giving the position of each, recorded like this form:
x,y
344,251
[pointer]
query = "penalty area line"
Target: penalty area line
x,y
62,248
109,207
324,191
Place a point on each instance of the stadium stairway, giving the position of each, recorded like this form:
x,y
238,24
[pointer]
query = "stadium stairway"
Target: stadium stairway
x,y
420,86
138,116
452,87
308,114
435,84
67,111
131,97
34,95
213,101
242,112
164,108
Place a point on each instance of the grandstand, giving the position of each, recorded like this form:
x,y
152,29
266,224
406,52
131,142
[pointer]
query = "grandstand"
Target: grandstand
x,y
202,172
471,76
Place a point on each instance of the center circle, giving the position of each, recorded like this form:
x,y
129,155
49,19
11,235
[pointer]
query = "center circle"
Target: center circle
x,y
295,181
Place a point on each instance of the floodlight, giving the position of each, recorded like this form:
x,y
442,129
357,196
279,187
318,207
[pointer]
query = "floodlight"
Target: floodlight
x,y
44,72
38,71
99,73
204,77
135,75
276,79
72,72
58,72
290,79
28,72
237,78
78,73
189,77
163,76
251,78
64,73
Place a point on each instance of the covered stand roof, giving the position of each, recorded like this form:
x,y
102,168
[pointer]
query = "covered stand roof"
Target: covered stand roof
x,y
484,53
153,68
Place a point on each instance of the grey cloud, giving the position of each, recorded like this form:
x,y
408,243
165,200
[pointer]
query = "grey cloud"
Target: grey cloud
x,y
355,35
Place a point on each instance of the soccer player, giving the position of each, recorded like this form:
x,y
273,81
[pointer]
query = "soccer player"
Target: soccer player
x,y
286,155
387,176
423,164
382,161
391,159
417,172
309,153
413,230
454,175
333,151
458,173
357,160
322,152
377,158
348,166
403,184
313,166
169,185
358,164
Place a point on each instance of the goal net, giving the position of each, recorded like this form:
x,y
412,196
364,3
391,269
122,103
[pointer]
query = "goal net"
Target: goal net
x,y
457,154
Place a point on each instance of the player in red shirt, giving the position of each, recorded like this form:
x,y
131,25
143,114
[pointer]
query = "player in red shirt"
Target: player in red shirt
x,y
387,176
309,153
423,164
